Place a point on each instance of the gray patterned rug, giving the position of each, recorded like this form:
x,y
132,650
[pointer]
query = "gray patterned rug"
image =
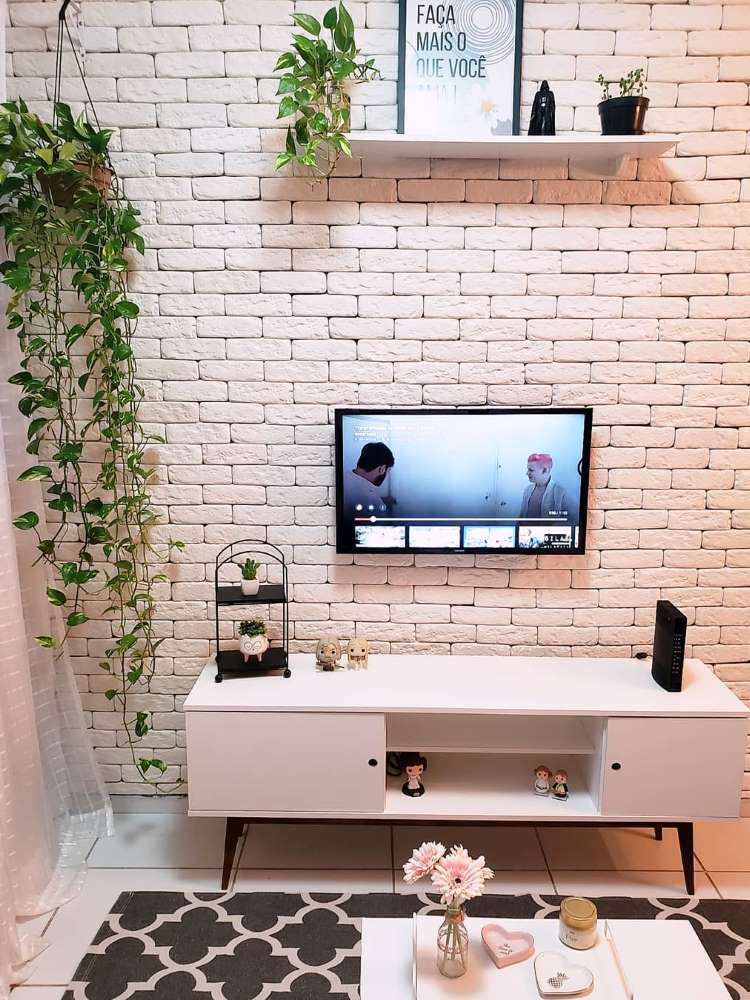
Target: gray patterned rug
x,y
271,946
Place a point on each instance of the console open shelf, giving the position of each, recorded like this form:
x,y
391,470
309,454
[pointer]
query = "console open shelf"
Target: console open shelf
x,y
487,734
606,153
473,786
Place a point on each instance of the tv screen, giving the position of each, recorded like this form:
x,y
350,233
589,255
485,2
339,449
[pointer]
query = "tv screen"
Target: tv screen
x,y
464,480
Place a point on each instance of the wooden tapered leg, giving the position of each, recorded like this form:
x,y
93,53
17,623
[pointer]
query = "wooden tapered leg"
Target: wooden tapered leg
x,y
658,832
685,835
234,830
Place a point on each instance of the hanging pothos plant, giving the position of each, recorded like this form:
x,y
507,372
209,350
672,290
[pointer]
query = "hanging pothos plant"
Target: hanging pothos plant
x,y
70,231
313,88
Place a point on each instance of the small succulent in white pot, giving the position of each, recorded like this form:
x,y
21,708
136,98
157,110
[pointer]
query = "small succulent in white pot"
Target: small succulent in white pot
x,y
250,582
253,639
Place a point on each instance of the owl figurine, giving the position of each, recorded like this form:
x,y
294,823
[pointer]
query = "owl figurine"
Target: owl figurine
x,y
328,653
357,654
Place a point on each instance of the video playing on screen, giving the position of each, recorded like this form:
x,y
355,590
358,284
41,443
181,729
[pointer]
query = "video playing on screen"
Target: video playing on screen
x,y
462,480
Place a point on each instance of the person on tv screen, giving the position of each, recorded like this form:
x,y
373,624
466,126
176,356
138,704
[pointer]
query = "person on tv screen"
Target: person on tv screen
x,y
543,497
361,485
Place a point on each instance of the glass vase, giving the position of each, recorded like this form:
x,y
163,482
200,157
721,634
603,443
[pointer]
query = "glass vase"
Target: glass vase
x,y
453,944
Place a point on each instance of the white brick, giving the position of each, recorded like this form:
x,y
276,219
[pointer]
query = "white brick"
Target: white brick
x,y
188,64
152,40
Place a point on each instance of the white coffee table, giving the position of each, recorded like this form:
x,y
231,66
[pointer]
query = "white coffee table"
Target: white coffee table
x,y
662,959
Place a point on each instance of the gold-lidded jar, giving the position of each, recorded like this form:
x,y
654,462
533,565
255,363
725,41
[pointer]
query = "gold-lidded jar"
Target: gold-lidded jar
x,y
578,923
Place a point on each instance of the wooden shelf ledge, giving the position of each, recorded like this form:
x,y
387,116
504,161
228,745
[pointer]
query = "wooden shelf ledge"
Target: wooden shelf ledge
x,y
607,152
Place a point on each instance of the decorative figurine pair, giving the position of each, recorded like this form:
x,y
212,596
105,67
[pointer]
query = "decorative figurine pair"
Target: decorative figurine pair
x,y
548,782
328,654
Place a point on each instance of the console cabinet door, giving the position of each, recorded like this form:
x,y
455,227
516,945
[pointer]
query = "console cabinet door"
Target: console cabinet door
x,y
681,768
244,763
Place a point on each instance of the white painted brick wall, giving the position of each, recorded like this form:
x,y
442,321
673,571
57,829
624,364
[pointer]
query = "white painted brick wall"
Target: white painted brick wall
x,y
265,303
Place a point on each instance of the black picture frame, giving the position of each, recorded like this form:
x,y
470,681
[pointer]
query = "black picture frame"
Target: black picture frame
x,y
401,82
344,529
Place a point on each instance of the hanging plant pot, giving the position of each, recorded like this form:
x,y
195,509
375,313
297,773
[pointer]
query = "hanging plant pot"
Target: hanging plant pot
x,y
60,188
623,115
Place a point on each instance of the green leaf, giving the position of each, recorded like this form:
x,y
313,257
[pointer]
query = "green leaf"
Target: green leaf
x,y
287,85
330,19
56,597
145,764
282,159
285,61
97,535
344,32
291,146
342,68
126,309
76,618
70,452
308,23
141,724
37,425
287,106
46,155
344,145
26,521
46,641
35,472
110,694
301,131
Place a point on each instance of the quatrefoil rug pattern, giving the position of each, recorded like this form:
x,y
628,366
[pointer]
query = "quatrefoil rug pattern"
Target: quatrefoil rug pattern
x,y
271,946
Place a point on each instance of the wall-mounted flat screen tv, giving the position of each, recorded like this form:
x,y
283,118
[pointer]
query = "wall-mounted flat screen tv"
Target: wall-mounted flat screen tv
x,y
462,480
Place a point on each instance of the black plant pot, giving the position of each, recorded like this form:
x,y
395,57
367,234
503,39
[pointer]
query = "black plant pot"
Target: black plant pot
x,y
623,115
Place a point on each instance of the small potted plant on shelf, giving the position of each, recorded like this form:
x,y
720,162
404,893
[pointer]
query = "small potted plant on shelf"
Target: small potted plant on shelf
x,y
624,115
253,639
316,73
250,582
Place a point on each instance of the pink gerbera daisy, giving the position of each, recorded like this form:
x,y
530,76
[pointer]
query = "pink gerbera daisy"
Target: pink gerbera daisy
x,y
458,877
422,861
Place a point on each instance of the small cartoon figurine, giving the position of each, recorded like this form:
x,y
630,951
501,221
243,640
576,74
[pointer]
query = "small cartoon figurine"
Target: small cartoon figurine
x,y
542,121
328,653
357,654
542,775
414,766
560,784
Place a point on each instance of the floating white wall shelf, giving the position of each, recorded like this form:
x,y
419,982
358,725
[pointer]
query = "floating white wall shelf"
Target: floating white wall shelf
x,y
605,152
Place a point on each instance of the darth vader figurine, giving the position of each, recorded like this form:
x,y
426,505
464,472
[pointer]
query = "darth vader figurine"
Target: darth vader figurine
x,y
542,121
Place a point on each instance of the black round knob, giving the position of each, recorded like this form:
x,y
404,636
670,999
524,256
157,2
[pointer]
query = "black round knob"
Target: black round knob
x,y
372,762
616,766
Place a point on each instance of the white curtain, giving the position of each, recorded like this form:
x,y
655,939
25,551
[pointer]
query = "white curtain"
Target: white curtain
x,y
52,801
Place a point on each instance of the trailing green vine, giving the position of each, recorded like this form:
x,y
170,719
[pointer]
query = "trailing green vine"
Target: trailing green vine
x,y
70,231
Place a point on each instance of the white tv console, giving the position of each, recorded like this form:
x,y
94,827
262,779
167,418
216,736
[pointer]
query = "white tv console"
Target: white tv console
x,y
313,747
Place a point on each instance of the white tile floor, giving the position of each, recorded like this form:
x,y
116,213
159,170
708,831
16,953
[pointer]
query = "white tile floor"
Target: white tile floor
x,y
172,851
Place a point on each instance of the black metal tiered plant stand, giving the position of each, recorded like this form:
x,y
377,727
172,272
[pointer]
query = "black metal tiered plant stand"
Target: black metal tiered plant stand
x,y
276,658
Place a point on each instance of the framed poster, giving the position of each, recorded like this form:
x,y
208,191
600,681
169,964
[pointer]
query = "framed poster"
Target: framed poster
x,y
460,68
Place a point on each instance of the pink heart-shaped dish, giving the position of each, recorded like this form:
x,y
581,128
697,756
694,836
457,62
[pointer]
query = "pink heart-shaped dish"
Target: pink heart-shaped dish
x,y
507,947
